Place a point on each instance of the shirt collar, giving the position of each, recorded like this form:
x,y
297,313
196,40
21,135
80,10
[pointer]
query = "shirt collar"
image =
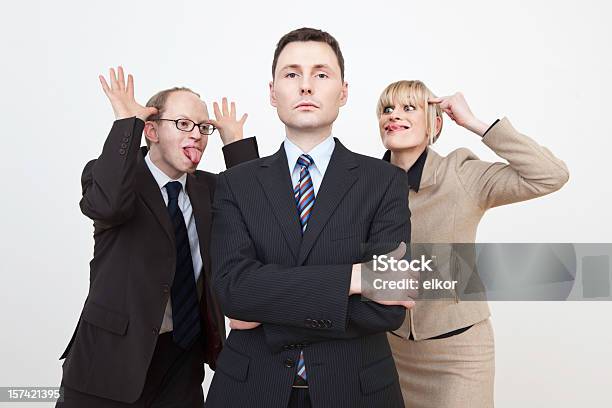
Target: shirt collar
x,y
160,177
415,172
321,153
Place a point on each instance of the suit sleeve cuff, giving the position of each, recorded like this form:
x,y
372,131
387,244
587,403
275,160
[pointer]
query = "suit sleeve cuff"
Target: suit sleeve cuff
x,y
490,127
240,151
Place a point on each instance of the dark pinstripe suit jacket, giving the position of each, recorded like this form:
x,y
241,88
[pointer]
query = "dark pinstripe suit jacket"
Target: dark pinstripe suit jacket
x,y
264,270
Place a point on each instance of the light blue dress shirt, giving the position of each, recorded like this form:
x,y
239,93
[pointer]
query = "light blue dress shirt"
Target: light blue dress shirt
x,y
321,154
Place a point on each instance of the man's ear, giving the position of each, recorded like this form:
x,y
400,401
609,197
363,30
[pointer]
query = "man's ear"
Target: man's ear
x,y
150,132
344,93
272,94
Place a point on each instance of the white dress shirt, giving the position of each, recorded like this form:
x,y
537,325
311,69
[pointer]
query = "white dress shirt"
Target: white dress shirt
x,y
321,154
194,243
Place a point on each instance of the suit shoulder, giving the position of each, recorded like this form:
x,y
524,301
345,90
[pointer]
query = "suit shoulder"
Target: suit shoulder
x,y
462,154
377,167
206,176
246,168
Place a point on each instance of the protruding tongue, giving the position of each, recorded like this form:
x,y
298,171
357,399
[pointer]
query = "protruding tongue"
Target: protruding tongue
x,y
193,154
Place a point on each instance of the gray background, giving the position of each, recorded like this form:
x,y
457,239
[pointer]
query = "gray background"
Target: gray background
x,y
543,64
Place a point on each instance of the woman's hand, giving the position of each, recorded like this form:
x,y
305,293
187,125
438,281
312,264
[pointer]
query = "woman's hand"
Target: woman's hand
x,y
230,129
458,110
121,96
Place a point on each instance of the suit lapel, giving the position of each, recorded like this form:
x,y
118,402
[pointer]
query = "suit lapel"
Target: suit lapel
x,y
276,182
430,176
338,179
152,197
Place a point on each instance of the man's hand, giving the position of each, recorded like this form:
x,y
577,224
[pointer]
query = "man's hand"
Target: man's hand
x,y
230,129
240,325
458,110
367,267
121,96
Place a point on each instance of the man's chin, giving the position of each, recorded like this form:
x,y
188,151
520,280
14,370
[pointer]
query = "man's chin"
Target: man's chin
x,y
307,124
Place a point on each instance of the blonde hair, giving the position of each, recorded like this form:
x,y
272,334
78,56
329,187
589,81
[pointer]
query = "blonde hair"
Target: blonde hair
x,y
413,93
159,101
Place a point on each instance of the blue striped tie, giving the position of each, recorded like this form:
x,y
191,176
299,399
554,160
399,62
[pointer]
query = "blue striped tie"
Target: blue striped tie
x,y
304,199
304,191
184,295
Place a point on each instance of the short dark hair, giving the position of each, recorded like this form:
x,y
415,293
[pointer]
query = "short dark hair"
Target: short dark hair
x,y
308,34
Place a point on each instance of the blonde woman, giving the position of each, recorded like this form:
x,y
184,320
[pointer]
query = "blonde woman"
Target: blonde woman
x,y
444,351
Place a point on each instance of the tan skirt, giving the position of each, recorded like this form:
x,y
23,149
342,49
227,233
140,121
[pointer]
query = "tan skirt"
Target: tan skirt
x,y
455,372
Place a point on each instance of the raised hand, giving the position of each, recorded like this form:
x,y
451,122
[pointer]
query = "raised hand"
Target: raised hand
x,y
121,96
457,109
230,129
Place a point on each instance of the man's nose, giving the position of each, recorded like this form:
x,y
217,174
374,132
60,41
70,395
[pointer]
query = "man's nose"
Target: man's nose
x,y
306,88
195,133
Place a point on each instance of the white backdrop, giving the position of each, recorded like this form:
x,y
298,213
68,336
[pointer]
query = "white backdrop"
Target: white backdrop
x,y
545,65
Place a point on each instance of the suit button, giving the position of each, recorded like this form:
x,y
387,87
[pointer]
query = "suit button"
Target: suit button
x,y
155,330
308,322
328,323
165,288
289,363
126,139
121,152
123,146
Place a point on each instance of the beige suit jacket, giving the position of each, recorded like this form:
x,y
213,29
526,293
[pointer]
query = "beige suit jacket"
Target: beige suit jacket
x,y
455,192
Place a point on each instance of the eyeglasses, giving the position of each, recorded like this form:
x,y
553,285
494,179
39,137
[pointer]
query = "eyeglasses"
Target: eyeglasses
x,y
187,125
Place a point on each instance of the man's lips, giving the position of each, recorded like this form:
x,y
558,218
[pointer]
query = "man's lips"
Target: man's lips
x,y
306,105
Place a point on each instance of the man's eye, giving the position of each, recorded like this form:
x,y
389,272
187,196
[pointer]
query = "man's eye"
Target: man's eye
x,y
322,75
409,108
291,75
184,124
387,109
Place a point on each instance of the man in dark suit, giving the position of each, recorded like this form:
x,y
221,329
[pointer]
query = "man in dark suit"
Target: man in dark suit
x,y
287,242
150,319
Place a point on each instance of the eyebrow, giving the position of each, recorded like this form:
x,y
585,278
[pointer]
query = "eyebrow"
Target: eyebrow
x,y
297,66
180,115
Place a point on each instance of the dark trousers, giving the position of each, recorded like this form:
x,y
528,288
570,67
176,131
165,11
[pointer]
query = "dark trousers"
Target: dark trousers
x,y
300,398
174,380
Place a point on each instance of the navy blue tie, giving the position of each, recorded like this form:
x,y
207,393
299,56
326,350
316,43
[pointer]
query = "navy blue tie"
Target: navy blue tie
x,y
185,306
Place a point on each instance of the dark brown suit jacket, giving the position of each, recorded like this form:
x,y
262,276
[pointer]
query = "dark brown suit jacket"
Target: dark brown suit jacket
x,y
133,266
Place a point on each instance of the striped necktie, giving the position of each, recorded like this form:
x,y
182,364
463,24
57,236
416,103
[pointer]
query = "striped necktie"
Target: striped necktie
x,y
304,191
304,199
184,295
